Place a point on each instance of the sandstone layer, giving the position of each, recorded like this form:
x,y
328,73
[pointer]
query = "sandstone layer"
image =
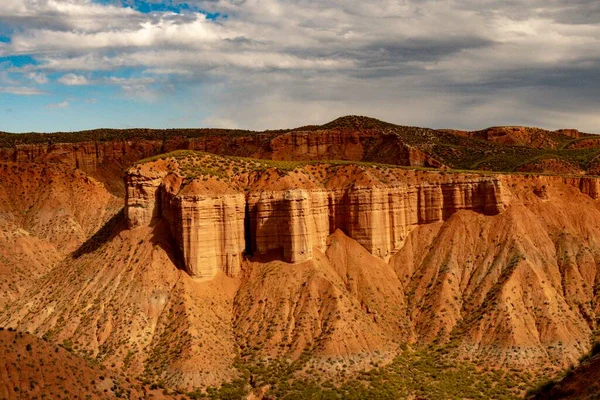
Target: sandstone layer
x,y
264,210
261,212
106,154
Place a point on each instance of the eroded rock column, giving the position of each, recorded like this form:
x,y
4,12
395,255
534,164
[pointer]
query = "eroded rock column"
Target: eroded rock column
x,y
283,220
297,233
211,234
142,199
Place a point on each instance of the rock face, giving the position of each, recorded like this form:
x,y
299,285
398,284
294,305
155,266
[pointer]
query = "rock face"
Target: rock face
x,y
589,186
282,221
379,218
503,268
210,232
142,199
215,222
106,154
346,144
288,215
105,160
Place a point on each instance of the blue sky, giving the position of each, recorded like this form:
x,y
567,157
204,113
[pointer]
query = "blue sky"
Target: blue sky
x,y
52,104
82,64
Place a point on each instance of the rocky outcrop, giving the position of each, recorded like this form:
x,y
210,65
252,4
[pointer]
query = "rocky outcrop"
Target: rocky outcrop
x,y
379,218
210,232
215,222
523,136
142,198
317,145
289,214
283,221
296,145
87,156
106,155
572,133
587,185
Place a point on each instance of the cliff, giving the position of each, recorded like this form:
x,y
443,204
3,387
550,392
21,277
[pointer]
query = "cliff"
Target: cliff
x,y
496,268
220,208
461,244
106,154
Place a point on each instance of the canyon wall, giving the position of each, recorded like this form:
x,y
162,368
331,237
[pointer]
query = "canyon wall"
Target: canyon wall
x,y
215,226
105,160
215,221
92,156
379,218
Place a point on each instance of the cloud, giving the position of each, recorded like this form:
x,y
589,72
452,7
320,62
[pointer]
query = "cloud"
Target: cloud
x,y
143,89
21,90
73,80
38,77
458,63
62,104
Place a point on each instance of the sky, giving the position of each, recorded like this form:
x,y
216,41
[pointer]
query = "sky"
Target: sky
x,y
263,64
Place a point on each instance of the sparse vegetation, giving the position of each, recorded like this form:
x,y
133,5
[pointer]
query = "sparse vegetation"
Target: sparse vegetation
x,y
413,373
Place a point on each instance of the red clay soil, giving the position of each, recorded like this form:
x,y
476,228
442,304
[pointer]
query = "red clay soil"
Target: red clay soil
x,y
31,368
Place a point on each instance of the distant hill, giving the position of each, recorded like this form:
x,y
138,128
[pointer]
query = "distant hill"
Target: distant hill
x,y
354,138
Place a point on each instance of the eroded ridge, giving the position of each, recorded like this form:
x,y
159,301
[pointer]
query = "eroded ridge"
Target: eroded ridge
x,y
219,209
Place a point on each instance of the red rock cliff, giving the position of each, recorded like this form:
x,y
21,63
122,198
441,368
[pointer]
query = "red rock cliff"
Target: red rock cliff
x,y
106,160
288,214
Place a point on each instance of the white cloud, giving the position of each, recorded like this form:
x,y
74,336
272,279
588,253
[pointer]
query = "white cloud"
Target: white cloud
x,y
21,90
192,34
62,104
425,61
73,80
38,77
64,14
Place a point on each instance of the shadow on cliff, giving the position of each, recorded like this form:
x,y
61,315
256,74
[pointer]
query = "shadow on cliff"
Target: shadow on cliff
x,y
109,230
266,257
269,224
113,227
162,237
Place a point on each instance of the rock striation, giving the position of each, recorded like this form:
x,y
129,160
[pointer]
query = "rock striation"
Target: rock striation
x,y
105,159
287,214
216,221
209,231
